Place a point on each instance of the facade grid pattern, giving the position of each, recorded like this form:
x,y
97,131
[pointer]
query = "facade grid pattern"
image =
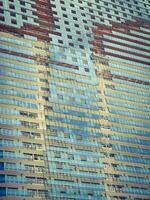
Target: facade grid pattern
x,y
74,100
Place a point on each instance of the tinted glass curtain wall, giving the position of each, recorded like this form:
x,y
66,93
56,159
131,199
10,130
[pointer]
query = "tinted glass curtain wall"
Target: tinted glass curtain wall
x,y
74,100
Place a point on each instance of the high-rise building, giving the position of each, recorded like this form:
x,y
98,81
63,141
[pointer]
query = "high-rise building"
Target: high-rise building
x,y
74,100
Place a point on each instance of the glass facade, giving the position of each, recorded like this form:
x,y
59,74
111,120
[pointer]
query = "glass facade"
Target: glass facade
x,y
74,100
